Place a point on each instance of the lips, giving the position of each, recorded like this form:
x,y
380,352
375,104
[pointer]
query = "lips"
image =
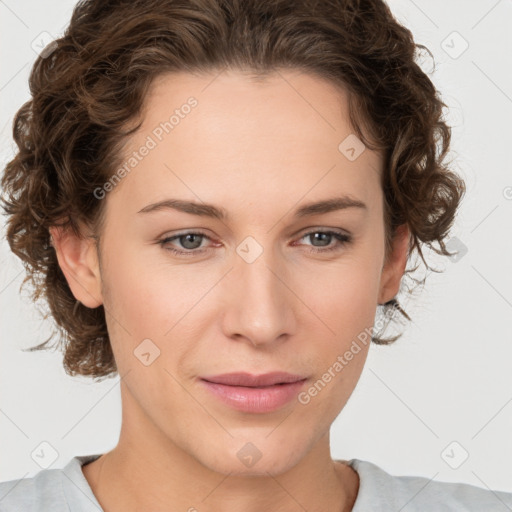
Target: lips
x,y
254,393
253,381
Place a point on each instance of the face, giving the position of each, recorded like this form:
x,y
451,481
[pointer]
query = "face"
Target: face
x,y
258,289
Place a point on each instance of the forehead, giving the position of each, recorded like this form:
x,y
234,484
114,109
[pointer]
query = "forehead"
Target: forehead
x,y
261,139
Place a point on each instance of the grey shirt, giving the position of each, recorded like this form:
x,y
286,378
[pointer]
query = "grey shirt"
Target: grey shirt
x,y
67,490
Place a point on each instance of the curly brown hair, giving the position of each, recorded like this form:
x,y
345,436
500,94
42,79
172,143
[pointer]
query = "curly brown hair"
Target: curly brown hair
x,y
88,94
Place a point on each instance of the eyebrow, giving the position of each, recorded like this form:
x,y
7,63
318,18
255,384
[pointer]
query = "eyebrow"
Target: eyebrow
x,y
209,210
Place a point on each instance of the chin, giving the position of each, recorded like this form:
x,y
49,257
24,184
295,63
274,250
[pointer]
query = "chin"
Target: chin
x,y
258,457
233,467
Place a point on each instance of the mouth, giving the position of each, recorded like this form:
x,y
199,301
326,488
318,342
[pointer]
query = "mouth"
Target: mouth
x,y
255,393
252,381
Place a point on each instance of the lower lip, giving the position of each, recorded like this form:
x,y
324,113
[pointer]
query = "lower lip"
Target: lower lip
x,y
256,400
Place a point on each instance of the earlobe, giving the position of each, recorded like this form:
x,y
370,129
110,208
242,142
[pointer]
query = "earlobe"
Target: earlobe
x,y
394,268
78,261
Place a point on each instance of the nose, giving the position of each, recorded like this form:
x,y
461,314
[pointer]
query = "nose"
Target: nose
x,y
260,307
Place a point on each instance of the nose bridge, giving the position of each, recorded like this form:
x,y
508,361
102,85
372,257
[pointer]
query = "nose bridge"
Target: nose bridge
x,y
260,309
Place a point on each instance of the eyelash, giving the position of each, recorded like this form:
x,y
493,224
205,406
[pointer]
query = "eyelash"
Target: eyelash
x,y
342,239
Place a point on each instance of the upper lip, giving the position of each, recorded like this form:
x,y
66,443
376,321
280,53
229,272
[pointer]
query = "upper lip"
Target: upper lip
x,y
250,380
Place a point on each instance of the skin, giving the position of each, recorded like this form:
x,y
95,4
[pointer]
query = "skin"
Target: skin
x,y
260,150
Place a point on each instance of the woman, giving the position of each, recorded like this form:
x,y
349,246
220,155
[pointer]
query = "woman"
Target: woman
x,y
218,195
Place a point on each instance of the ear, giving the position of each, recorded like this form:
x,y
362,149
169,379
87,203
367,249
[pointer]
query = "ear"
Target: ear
x,y
78,261
394,267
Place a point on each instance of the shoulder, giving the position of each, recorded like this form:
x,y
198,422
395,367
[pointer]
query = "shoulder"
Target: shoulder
x,y
415,493
40,492
49,489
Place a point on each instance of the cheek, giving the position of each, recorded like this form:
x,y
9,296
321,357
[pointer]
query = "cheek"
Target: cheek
x,y
141,294
345,298
155,302
134,309
350,314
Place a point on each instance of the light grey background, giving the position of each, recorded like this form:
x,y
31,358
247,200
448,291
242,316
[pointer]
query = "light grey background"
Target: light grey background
x,y
448,379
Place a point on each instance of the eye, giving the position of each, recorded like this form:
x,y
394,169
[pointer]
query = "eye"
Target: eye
x,y
325,238
189,241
